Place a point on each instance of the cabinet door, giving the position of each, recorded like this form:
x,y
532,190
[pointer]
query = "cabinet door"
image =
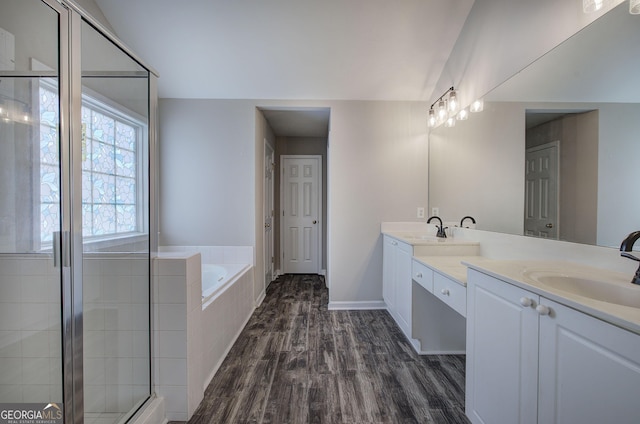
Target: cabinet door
x,y
589,369
388,273
404,253
502,352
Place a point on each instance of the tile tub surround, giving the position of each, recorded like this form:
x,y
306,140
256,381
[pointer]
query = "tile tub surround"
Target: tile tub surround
x,y
216,254
191,341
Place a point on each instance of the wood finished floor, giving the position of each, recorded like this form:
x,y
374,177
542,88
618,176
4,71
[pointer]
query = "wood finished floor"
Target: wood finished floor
x,y
297,362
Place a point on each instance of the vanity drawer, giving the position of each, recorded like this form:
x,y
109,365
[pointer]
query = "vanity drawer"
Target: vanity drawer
x,y
422,275
451,293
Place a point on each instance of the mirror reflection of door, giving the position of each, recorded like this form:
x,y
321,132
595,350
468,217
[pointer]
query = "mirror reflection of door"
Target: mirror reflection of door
x,y
541,191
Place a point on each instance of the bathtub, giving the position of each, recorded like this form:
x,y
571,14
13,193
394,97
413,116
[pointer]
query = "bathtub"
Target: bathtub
x,y
217,277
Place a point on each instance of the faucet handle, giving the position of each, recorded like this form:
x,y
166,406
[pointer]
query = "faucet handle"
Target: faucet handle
x,y
630,256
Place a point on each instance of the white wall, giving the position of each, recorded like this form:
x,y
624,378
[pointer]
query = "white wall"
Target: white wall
x,y
477,168
377,171
501,37
618,153
207,171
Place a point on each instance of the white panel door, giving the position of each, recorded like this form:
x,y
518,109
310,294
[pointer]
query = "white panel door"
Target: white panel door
x,y
300,228
541,191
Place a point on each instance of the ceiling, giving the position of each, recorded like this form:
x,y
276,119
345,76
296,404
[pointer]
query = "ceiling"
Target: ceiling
x,y
292,50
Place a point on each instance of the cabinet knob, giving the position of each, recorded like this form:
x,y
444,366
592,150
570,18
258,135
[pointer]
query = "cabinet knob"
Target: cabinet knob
x,y
543,310
394,243
445,292
526,302
419,275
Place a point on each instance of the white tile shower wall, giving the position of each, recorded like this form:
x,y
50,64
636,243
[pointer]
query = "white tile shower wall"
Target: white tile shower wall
x,y
217,254
178,351
116,331
30,360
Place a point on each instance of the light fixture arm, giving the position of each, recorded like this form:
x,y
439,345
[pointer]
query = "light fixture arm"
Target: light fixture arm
x,y
451,89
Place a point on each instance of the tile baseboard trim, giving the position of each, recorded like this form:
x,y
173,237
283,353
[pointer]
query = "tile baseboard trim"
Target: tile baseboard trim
x,y
361,305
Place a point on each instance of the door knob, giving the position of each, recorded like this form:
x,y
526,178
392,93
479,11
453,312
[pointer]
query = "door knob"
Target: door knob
x,y
315,222
543,310
549,225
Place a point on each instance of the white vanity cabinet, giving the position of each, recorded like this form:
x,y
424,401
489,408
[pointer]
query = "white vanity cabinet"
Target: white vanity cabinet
x,y
533,360
396,281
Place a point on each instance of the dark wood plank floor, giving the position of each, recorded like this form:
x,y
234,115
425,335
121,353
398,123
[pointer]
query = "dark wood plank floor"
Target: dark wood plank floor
x,y
297,362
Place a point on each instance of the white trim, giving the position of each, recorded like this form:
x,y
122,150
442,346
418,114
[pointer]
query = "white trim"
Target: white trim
x,y
357,305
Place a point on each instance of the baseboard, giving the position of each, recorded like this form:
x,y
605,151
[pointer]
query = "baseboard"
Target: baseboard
x,y
260,299
360,305
442,352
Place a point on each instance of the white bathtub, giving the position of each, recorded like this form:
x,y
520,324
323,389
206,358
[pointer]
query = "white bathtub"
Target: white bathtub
x,y
217,277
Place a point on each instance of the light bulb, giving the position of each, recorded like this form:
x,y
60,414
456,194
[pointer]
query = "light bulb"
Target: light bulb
x,y
477,106
453,101
432,121
450,122
442,110
462,115
589,6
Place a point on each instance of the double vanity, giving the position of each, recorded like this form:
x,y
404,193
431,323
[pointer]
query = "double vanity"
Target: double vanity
x,y
546,341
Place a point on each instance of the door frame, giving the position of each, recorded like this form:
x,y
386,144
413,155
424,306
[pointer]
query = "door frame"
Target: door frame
x,y
320,209
268,165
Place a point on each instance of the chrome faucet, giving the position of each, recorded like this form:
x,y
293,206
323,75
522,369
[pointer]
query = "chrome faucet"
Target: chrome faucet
x,y
440,228
626,247
467,217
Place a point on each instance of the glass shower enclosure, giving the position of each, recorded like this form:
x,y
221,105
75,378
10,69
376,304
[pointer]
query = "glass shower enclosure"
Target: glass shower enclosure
x,y
77,117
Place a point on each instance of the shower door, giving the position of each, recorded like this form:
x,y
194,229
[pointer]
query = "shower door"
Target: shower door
x,y
75,245
114,164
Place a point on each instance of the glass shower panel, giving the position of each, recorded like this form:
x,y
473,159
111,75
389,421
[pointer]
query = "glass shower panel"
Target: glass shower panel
x,y
115,228
30,205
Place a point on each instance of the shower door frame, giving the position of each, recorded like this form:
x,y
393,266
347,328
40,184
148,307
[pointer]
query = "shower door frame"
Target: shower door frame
x,y
70,246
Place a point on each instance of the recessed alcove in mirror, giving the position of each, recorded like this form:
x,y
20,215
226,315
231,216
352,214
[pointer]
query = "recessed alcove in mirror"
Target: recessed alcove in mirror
x,y
583,96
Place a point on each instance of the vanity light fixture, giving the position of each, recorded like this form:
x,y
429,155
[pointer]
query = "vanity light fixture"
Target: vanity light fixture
x,y
13,110
634,7
463,115
477,106
445,106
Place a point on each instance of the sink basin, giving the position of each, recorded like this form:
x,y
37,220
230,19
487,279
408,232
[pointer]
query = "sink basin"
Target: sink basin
x,y
616,292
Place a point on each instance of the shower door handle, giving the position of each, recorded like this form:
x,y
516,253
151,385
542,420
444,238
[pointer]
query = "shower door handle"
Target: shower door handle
x,y
61,251
57,259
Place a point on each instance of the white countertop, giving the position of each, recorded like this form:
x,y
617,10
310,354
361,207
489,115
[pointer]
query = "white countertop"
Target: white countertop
x,y
522,274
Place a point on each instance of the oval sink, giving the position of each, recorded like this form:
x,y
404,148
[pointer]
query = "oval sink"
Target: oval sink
x,y
604,291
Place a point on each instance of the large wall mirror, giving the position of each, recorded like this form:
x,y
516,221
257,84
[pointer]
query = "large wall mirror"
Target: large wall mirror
x,y
556,151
